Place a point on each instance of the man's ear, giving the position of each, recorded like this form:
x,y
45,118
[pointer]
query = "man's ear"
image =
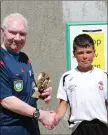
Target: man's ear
x,y
2,33
2,30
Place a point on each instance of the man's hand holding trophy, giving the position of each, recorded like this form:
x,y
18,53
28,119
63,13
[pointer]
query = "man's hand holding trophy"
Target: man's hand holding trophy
x,y
43,82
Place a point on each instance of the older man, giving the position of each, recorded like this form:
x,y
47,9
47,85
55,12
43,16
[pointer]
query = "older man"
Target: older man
x,y
19,115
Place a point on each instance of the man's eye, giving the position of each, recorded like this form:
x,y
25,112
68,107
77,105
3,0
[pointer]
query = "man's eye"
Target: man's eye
x,y
23,34
12,32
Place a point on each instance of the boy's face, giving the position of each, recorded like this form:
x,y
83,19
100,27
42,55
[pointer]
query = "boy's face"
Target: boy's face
x,y
84,56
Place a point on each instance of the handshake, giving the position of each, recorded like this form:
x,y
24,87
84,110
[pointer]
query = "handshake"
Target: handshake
x,y
49,119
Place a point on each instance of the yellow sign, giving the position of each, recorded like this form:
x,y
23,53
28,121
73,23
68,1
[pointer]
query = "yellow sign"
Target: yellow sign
x,y
99,60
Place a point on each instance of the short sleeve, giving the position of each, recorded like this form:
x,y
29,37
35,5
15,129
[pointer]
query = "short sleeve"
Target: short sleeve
x,y
106,86
62,94
5,82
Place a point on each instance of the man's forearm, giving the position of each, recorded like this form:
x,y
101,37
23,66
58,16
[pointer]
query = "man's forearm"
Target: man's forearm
x,y
14,104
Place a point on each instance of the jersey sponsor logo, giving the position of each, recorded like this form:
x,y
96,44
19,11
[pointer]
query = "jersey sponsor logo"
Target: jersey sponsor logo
x,y
100,85
72,87
18,85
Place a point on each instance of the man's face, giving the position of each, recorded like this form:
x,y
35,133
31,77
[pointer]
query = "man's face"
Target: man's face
x,y
14,35
84,56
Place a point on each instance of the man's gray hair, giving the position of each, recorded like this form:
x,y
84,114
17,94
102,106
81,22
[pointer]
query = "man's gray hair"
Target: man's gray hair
x,y
5,20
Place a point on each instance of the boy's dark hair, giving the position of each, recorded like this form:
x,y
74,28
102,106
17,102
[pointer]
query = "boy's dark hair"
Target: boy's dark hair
x,y
82,40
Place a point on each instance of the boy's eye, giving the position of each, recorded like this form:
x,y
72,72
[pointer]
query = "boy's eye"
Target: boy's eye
x,y
79,53
88,52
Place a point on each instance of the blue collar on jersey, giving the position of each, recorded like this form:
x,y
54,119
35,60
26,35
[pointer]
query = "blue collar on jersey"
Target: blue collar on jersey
x,y
15,55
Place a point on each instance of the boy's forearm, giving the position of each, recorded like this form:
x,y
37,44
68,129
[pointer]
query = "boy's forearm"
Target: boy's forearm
x,y
62,108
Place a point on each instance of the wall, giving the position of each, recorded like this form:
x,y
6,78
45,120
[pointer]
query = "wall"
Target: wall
x,y
46,38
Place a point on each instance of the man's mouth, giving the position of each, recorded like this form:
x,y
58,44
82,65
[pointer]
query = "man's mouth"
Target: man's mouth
x,y
17,44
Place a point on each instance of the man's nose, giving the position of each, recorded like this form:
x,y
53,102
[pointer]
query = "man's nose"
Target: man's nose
x,y
17,37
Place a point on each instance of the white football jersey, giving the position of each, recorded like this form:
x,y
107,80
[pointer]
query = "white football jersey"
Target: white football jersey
x,y
86,93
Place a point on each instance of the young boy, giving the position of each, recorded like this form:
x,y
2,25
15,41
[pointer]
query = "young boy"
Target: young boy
x,y
85,90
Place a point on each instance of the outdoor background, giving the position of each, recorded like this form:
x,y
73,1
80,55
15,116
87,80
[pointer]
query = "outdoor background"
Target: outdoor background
x,y
46,39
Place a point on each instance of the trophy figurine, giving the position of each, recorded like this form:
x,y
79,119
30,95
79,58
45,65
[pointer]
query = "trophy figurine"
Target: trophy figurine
x,y
43,82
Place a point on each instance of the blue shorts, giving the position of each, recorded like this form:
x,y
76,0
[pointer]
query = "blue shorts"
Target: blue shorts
x,y
28,129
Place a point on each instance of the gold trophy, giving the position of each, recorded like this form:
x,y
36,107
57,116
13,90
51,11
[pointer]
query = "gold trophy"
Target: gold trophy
x,y
43,82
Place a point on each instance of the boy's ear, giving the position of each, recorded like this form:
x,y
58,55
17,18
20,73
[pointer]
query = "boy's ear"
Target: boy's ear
x,y
73,53
94,52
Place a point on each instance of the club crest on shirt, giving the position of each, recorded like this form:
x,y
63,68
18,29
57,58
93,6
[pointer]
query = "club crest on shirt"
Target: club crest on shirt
x,y
100,85
18,85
